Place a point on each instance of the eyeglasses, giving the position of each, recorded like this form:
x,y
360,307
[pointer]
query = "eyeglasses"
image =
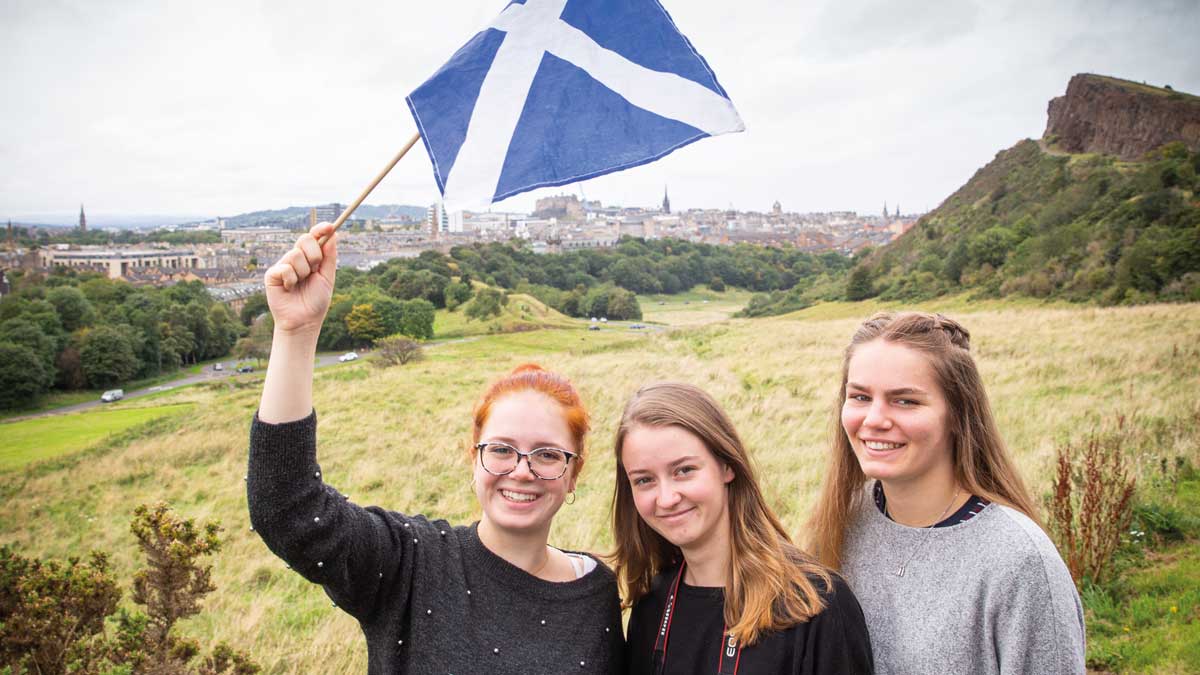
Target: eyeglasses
x,y
500,459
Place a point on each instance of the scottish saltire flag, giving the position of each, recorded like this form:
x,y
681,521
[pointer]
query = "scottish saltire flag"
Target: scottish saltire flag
x,y
557,91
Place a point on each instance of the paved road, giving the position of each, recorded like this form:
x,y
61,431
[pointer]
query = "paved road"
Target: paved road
x,y
205,375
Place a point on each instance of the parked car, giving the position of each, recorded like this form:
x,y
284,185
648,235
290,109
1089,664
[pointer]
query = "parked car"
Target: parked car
x,y
218,366
594,327
636,326
112,395
245,368
348,356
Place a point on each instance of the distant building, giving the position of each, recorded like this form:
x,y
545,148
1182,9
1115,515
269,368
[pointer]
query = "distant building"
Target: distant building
x,y
258,235
455,222
82,220
666,205
563,207
437,222
119,264
324,214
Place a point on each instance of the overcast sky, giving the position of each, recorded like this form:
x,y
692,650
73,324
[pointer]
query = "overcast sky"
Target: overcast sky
x,y
218,107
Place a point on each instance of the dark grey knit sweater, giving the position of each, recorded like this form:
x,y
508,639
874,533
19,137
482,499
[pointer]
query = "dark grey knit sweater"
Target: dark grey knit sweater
x,y
430,598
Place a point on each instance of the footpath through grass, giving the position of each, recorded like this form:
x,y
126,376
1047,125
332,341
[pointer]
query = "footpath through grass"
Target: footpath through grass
x,y
34,440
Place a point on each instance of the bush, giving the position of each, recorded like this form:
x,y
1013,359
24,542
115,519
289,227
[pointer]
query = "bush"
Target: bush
x,y
397,350
1091,506
47,607
52,615
487,303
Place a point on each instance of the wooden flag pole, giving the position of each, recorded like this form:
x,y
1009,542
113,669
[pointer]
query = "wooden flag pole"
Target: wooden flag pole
x,y
350,209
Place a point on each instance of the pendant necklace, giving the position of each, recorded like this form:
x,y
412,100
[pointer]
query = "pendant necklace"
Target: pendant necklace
x,y
924,538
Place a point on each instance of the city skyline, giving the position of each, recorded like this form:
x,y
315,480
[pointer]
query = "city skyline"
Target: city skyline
x,y
192,112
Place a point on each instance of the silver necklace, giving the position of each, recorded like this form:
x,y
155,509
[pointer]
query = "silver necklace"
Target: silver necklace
x,y
925,538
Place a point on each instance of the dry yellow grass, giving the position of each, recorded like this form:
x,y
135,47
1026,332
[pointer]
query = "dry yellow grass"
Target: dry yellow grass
x,y
396,437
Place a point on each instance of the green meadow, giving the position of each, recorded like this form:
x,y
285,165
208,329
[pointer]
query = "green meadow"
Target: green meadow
x,y
398,437
45,438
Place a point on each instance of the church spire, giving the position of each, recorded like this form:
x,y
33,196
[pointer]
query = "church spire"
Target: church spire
x,y
82,220
666,205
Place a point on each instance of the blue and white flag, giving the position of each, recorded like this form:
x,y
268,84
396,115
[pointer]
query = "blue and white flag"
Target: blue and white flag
x,y
558,91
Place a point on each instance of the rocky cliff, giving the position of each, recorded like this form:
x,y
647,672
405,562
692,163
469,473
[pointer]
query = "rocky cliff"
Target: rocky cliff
x,y
1118,117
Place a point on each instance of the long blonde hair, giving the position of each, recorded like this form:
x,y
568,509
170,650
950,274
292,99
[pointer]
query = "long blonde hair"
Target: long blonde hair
x,y
770,586
982,465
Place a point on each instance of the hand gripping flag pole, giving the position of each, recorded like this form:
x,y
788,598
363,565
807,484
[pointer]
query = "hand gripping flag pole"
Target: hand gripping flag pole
x,y
350,209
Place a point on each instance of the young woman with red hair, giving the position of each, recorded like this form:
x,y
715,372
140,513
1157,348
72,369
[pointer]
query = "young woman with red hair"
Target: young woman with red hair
x,y
430,597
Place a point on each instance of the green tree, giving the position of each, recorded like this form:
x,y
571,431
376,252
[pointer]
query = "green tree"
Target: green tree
x,y
858,285
456,293
22,377
487,303
255,305
410,284
334,333
107,357
23,332
991,247
74,310
225,330
257,344
364,324
623,305
418,319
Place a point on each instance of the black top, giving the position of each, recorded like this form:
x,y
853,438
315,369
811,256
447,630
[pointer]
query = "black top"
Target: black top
x,y
834,641
430,597
967,511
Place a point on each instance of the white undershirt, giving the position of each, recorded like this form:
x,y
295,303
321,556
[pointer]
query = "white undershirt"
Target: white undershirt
x,y
582,564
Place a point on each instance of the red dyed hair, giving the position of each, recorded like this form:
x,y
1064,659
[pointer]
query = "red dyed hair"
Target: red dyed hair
x,y
532,377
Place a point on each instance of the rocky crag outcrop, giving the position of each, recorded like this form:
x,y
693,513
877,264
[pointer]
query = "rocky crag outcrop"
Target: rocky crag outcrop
x,y
1118,117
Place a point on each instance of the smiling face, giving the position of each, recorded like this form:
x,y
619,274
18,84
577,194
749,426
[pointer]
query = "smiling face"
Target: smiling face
x,y
520,502
895,414
679,487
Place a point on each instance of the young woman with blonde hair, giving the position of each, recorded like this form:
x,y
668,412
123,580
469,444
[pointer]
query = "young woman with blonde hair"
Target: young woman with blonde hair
x,y
430,597
924,513
715,584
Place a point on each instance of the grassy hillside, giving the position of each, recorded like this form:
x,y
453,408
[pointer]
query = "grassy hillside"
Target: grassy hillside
x,y
522,313
397,437
1078,227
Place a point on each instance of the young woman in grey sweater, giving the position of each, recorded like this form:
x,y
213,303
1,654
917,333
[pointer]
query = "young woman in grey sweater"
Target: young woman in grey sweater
x,y
490,598
925,514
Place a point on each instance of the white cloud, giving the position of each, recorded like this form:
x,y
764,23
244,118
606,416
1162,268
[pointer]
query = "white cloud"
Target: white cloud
x,y
141,106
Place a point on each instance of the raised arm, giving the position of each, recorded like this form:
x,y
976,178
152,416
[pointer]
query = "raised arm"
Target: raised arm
x,y
299,288
303,520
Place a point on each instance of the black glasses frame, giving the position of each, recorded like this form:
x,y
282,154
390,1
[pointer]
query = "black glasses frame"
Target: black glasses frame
x,y
524,455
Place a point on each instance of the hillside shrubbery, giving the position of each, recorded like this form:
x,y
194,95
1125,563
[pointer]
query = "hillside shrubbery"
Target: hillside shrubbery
x,y
1084,228
63,617
1080,227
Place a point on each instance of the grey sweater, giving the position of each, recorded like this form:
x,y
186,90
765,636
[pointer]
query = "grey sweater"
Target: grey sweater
x,y
989,596
430,597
